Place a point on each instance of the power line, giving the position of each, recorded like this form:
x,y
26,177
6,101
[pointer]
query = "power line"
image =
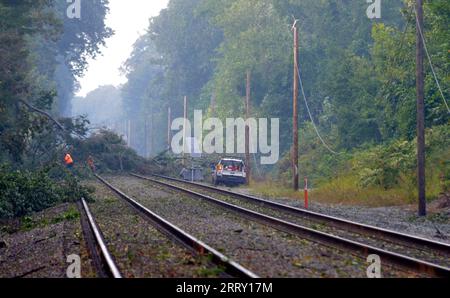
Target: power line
x,y
431,63
310,115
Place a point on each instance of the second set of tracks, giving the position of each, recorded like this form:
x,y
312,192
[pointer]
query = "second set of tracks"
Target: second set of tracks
x,y
416,254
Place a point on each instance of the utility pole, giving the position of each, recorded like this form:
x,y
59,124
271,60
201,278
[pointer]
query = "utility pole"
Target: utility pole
x,y
247,128
295,111
146,137
213,103
169,127
184,130
129,132
152,133
420,84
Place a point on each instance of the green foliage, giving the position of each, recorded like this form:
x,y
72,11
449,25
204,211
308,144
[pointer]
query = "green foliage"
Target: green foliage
x,y
256,39
393,56
41,52
358,76
384,165
63,59
358,73
109,151
28,223
384,172
24,192
393,164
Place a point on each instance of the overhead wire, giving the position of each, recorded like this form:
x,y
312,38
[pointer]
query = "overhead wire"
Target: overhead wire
x,y
310,114
430,61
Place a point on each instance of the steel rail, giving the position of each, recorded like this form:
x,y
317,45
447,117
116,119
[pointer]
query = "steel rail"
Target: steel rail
x,y
108,265
231,267
343,223
404,261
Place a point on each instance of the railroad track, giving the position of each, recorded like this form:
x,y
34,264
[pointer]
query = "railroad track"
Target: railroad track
x,y
101,257
230,267
409,252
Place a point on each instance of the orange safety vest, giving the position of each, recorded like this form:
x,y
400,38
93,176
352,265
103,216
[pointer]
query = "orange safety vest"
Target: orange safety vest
x,y
90,163
68,159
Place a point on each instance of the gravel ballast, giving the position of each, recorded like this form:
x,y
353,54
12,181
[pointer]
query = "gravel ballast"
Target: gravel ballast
x,y
38,246
138,248
404,219
366,238
265,251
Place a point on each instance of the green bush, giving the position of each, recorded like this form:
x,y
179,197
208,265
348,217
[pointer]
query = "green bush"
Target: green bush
x,y
389,167
110,152
384,165
391,164
24,192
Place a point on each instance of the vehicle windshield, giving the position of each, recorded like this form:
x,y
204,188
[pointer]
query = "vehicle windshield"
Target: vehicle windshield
x,y
231,165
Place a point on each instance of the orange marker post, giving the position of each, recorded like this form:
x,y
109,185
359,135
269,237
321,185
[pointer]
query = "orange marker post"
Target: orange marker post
x,y
306,194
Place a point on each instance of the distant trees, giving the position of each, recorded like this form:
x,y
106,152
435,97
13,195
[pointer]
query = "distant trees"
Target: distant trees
x,y
358,73
101,106
80,39
42,52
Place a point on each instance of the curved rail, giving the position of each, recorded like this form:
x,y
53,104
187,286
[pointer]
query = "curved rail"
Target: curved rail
x,y
336,241
230,266
107,263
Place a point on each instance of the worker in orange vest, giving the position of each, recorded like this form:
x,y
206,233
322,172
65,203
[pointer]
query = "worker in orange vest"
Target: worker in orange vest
x,y
91,164
68,160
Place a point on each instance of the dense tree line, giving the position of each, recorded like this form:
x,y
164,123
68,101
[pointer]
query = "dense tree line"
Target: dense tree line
x,y
358,73
42,53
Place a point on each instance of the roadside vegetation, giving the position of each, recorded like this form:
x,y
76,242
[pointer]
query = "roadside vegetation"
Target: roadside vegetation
x,y
373,175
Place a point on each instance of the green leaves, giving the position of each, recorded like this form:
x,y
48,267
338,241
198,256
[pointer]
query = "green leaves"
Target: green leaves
x,y
389,165
24,192
383,165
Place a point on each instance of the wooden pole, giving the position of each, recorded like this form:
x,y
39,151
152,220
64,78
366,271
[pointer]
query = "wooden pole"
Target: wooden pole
x,y
420,84
129,133
152,133
169,127
184,130
146,153
247,128
213,104
295,112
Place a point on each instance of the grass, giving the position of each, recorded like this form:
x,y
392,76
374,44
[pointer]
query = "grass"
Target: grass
x,y
210,272
69,215
163,255
345,191
28,223
131,256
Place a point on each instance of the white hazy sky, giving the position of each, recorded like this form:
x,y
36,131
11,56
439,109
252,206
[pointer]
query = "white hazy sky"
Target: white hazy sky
x,y
129,19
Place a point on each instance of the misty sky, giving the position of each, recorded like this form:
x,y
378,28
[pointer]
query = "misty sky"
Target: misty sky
x,y
129,20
